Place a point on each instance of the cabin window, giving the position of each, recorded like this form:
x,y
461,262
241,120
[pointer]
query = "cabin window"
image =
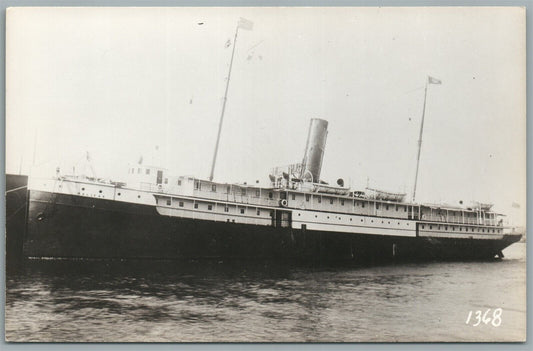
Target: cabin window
x,y
226,209
422,226
147,171
242,210
377,206
283,195
228,189
197,185
405,209
307,197
446,228
387,207
213,187
362,204
181,204
331,201
166,181
258,212
319,199
243,191
270,195
430,227
294,196
196,205
342,202
168,202
179,182
209,207
396,208
257,192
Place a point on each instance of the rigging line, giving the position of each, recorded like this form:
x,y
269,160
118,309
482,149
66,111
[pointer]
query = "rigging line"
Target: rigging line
x,y
14,213
11,190
256,45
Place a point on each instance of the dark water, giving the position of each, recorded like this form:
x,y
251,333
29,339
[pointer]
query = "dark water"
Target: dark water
x,y
212,301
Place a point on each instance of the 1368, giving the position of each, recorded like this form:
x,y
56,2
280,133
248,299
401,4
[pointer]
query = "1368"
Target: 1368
x,y
485,317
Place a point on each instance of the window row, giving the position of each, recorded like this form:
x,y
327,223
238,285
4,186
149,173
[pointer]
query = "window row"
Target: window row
x,y
460,229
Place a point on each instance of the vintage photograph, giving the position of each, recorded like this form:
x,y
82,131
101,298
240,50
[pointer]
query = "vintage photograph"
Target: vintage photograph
x,y
265,174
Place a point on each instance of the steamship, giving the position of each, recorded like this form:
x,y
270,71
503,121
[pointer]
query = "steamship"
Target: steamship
x,y
297,217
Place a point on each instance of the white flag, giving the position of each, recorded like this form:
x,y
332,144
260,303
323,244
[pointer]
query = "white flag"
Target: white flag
x,y
432,80
245,24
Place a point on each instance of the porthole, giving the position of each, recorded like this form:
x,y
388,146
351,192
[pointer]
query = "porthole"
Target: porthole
x,y
138,196
118,194
83,189
100,191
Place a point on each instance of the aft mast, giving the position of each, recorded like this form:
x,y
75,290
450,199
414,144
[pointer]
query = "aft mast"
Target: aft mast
x,y
247,25
429,80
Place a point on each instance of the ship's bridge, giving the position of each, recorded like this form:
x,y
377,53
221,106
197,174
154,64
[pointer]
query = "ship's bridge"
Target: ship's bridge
x,y
147,177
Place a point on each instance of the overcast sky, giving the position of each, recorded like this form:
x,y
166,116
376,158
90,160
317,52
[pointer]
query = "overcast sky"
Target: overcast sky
x,y
118,81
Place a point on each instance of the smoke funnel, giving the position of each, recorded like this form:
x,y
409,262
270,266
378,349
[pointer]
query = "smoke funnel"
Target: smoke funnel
x,y
314,150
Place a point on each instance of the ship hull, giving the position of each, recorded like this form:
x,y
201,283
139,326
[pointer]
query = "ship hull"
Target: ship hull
x,y
70,226
16,206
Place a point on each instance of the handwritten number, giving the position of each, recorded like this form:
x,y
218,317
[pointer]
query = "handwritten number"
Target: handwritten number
x,y
497,320
485,317
478,318
469,316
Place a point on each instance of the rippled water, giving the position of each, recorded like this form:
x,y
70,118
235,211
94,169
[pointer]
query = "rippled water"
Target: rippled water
x,y
240,301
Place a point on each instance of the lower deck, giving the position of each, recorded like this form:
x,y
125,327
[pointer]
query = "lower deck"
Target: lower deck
x,y
75,226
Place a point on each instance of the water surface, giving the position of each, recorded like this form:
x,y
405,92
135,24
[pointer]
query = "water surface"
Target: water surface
x,y
112,301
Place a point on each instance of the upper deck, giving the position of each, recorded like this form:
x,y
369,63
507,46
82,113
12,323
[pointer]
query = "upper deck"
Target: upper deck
x,y
304,198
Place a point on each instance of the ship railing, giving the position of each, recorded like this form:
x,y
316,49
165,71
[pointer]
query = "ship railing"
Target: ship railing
x,y
235,197
459,220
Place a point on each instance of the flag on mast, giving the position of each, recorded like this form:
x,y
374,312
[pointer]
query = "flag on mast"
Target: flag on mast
x,y
245,24
432,80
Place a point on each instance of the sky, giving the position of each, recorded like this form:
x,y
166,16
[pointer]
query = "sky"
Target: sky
x,y
117,82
